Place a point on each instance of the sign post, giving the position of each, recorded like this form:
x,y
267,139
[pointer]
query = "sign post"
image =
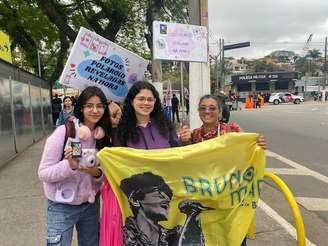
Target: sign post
x,y
180,42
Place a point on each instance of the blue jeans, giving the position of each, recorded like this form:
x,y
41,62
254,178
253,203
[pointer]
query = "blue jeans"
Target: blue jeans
x,y
62,218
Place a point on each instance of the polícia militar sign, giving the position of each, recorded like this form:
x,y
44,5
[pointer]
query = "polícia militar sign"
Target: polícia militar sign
x,y
96,61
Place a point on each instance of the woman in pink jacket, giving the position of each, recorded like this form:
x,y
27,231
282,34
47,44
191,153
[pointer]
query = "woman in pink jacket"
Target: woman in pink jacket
x,y
72,189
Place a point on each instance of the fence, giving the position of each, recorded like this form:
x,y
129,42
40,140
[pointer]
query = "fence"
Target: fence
x,y
25,110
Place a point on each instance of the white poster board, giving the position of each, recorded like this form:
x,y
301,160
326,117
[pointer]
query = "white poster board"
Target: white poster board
x,y
96,61
179,42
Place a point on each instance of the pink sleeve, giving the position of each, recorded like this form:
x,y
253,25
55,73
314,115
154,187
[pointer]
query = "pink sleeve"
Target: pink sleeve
x,y
52,168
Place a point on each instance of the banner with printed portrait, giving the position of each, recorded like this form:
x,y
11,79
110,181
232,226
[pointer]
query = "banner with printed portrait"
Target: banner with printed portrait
x,y
201,194
96,61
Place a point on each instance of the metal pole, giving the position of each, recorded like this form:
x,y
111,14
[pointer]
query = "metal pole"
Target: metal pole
x,y
222,65
217,68
39,63
307,77
199,73
182,93
325,74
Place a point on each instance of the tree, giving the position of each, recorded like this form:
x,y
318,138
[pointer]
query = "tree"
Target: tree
x,y
51,27
313,54
26,25
162,9
262,65
306,65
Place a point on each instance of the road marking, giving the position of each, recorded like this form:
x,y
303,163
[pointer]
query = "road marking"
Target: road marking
x,y
285,224
299,167
286,171
313,204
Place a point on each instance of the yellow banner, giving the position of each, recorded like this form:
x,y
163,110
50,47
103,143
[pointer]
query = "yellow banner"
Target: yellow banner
x,y
5,52
201,194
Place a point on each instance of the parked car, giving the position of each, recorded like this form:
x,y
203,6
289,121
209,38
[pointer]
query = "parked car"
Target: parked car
x,y
285,97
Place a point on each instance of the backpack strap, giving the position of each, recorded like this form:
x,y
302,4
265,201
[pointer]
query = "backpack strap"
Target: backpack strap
x,y
69,133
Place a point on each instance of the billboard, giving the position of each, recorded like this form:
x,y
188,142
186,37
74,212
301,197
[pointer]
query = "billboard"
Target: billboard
x,y
96,61
5,52
179,42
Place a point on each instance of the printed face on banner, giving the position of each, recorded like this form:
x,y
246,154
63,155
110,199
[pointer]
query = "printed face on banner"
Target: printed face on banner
x,y
96,61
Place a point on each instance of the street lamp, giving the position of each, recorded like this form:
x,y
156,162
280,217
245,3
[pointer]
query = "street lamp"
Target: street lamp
x,y
308,59
39,62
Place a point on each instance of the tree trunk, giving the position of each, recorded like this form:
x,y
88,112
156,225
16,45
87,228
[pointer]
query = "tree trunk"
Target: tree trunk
x,y
153,13
57,17
61,57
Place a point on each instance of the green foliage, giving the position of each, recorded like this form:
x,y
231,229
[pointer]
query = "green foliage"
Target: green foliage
x,y
313,54
51,26
263,66
306,66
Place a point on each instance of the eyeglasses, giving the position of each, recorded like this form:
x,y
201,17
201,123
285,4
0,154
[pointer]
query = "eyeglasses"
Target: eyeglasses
x,y
210,109
144,99
90,106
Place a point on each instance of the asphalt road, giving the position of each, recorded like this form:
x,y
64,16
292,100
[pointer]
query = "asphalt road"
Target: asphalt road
x,y
297,137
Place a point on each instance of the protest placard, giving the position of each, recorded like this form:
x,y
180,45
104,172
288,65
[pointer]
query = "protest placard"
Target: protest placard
x,y
96,61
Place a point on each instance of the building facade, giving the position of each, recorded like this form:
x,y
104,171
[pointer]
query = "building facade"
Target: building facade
x,y
246,84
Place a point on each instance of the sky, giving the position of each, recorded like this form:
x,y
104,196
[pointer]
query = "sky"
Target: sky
x,y
269,25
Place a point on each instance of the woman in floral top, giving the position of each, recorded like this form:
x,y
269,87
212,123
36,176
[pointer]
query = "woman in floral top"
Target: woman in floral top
x,y
209,113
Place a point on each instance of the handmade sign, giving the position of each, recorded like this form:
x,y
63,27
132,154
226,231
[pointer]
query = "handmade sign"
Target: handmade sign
x,y
96,61
179,42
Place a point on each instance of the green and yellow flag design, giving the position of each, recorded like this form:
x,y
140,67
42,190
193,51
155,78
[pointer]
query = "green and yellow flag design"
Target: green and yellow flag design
x,y
201,194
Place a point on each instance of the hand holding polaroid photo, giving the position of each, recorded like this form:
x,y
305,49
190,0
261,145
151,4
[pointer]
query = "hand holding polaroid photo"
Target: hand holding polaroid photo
x,y
77,149
68,142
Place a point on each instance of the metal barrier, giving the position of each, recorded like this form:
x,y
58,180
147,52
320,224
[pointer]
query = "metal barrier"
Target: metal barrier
x,y
25,110
300,230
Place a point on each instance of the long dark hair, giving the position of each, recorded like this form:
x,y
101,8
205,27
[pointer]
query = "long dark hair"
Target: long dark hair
x,y
104,122
127,129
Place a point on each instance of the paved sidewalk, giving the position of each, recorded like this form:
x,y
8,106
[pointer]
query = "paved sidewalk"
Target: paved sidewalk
x,y
22,207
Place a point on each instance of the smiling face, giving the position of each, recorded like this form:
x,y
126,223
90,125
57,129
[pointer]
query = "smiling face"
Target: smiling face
x,y
143,103
209,111
92,111
156,205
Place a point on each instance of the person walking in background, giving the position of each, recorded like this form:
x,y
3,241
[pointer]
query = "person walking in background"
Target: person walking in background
x,y
56,103
74,100
187,104
256,101
68,110
224,109
175,108
72,190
